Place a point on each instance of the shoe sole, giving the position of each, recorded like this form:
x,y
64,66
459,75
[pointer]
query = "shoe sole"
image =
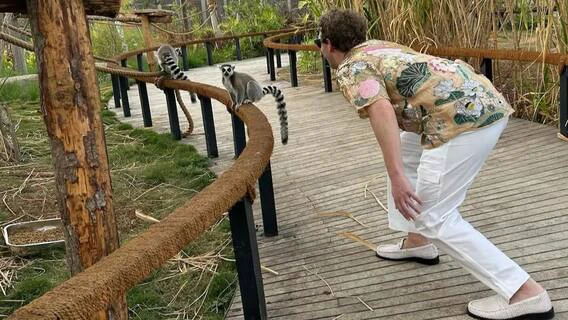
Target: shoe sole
x,y
428,262
531,316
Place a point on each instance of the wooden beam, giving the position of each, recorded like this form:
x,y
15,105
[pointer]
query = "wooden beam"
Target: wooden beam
x,y
107,8
147,33
70,102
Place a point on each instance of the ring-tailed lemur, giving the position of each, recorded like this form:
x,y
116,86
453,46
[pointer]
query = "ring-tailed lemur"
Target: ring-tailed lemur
x,y
167,57
244,89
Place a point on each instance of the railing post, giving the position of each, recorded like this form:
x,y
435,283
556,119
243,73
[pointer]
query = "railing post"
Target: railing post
x,y
143,93
326,75
115,90
238,49
184,58
239,137
123,82
271,64
124,64
487,68
278,58
293,68
266,188
209,127
292,63
247,260
208,47
172,113
267,58
269,220
564,103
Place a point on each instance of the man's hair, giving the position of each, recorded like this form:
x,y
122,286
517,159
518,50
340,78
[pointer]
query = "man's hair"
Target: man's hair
x,y
345,29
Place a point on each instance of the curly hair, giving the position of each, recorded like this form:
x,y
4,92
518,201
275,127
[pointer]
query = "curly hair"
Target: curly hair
x,y
345,29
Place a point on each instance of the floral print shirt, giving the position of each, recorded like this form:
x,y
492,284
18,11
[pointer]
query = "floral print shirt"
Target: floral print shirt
x,y
431,96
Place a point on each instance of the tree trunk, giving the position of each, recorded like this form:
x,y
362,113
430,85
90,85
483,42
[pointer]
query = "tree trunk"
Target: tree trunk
x,y
2,45
70,103
204,14
17,52
214,22
185,15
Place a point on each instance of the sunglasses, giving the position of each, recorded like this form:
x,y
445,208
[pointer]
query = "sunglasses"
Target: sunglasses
x,y
318,42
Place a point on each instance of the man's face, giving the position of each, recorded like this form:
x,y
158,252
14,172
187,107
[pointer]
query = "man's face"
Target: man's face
x,y
323,45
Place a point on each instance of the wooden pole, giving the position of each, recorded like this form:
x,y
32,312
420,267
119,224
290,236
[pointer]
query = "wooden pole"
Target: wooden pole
x,y
70,103
147,32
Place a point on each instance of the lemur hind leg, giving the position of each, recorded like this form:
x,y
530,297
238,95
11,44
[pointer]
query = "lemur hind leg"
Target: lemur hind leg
x,y
254,91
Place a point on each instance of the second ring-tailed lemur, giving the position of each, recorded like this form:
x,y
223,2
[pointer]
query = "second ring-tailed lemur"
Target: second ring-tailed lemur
x,y
167,57
244,89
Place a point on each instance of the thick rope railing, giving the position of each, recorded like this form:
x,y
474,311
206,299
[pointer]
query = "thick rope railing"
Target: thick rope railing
x,y
557,59
133,53
92,290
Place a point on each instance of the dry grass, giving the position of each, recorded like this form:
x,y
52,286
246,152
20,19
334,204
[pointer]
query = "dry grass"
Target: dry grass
x,y
537,25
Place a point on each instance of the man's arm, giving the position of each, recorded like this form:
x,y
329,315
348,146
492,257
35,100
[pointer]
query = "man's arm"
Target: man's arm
x,y
384,124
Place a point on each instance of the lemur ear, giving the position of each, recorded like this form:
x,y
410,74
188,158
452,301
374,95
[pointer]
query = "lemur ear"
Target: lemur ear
x,y
220,67
233,66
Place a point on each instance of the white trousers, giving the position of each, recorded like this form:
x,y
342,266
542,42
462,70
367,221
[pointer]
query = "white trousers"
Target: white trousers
x,y
441,177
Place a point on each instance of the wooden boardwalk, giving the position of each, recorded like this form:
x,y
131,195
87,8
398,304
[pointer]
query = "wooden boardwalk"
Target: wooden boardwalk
x,y
519,201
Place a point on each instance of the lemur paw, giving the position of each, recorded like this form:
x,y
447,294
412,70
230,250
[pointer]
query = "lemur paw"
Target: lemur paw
x,y
159,82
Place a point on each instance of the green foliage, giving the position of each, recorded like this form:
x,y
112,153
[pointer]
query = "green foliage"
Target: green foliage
x,y
309,62
251,16
109,40
7,64
19,91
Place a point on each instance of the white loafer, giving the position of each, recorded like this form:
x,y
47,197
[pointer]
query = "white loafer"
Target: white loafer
x,y
496,307
427,254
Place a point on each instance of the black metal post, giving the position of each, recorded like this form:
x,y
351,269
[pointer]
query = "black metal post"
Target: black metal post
x,y
293,68
209,48
184,58
247,260
564,102
209,127
115,90
124,64
326,75
172,113
238,49
487,68
123,82
267,57
278,59
239,137
271,64
143,93
269,220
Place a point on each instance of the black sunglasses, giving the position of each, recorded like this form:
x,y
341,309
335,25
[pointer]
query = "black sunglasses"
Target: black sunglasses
x,y
318,42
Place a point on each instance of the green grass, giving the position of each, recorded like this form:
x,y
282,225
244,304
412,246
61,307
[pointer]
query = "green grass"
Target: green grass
x,y
27,91
151,173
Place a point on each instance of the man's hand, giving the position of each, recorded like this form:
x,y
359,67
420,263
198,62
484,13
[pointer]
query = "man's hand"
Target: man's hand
x,y
385,127
406,201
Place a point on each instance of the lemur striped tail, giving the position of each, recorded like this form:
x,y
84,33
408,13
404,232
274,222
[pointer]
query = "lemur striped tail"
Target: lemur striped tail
x,y
177,74
281,107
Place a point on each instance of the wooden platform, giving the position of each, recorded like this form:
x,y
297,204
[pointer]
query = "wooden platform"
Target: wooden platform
x,y
519,201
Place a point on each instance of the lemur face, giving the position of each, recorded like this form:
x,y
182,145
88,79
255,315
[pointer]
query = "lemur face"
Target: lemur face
x,y
227,70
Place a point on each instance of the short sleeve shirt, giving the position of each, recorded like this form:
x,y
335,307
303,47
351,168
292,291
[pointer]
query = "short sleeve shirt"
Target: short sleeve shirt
x,y
434,97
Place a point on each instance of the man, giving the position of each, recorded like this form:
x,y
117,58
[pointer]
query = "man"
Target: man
x,y
451,119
